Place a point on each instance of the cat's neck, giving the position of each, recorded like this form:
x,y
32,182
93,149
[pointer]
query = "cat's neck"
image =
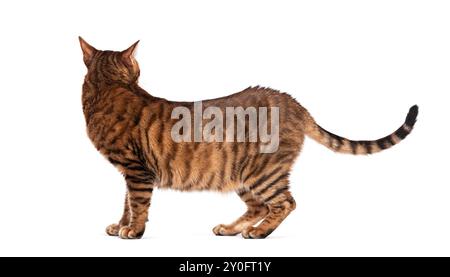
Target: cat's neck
x,y
94,94
90,97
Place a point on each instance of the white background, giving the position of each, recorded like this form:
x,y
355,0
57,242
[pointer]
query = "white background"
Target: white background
x,y
356,65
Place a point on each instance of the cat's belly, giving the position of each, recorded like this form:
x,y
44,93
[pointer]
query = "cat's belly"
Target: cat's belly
x,y
197,181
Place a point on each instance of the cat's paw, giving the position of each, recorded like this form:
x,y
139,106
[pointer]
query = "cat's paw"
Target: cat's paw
x,y
255,233
224,230
127,232
113,229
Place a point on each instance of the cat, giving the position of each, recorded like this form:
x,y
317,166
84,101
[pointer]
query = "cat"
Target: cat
x,y
133,130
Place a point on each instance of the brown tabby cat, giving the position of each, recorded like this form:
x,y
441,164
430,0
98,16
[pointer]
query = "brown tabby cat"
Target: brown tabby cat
x,y
132,129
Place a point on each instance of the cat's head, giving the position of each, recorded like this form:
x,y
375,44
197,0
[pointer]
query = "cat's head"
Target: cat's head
x,y
110,67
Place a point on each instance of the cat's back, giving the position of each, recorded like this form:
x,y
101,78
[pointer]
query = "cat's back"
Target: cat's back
x,y
216,164
256,96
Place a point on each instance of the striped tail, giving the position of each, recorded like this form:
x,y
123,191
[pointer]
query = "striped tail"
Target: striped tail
x,y
343,145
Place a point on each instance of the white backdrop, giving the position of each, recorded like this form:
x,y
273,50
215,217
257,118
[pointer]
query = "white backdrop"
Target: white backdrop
x,y
356,65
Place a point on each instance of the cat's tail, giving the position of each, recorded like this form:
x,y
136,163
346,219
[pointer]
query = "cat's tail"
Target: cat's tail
x,y
344,145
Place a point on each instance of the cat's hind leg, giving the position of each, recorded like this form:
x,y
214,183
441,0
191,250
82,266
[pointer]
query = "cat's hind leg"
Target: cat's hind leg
x,y
256,210
275,194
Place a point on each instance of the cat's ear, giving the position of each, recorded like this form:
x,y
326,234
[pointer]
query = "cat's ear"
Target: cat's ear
x,y
88,51
128,53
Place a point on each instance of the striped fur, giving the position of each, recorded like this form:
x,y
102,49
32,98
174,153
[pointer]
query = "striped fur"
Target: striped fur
x,y
347,146
131,128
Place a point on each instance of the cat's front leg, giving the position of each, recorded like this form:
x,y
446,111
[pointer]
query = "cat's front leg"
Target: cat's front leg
x,y
113,229
140,190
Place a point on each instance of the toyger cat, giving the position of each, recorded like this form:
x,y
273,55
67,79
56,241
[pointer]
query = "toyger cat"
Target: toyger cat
x,y
132,129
